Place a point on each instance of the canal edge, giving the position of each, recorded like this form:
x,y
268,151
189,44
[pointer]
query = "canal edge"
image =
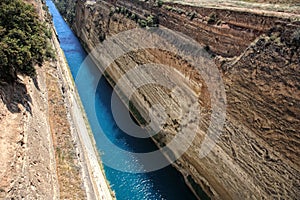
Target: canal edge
x,y
92,168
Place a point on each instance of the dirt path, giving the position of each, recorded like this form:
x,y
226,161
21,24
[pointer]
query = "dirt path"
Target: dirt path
x,y
282,10
96,185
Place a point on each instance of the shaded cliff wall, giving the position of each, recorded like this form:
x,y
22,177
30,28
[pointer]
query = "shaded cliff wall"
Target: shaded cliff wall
x,y
258,155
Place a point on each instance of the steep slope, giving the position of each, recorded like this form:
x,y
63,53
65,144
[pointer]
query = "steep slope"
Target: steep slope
x,y
258,154
27,154
225,32
39,151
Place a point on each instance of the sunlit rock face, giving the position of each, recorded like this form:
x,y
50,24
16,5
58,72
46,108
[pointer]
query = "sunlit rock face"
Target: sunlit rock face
x,y
257,156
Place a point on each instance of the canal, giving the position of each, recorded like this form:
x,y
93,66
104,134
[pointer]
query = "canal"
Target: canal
x,y
166,183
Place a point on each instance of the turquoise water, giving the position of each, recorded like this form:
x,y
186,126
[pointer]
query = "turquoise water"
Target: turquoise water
x,y
166,183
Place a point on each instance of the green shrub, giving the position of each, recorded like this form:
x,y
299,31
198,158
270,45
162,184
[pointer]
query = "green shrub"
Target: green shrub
x,y
142,23
180,11
150,21
23,40
47,32
123,10
133,16
160,3
50,53
45,7
102,36
192,15
112,11
128,14
169,8
296,38
212,18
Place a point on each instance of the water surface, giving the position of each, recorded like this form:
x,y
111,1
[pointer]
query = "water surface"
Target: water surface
x,y
166,183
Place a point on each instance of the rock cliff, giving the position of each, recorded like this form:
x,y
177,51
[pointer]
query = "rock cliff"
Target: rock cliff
x,y
257,156
41,157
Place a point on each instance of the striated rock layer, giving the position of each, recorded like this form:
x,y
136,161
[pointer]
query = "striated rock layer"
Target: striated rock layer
x,y
258,154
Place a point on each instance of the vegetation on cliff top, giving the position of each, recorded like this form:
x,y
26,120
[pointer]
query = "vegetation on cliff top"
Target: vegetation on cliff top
x,y
23,42
142,21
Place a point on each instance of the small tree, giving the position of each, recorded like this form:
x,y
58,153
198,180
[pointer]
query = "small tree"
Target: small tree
x,y
133,16
150,21
296,39
112,11
212,18
160,3
142,23
295,43
192,15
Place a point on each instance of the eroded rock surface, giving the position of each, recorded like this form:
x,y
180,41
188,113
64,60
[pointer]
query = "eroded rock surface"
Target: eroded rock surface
x,y
258,154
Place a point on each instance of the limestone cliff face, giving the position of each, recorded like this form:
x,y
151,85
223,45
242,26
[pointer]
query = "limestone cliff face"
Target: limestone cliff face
x,y
41,157
258,154
224,32
28,166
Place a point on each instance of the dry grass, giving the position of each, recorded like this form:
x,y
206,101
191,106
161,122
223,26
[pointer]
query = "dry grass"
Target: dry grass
x,y
68,170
